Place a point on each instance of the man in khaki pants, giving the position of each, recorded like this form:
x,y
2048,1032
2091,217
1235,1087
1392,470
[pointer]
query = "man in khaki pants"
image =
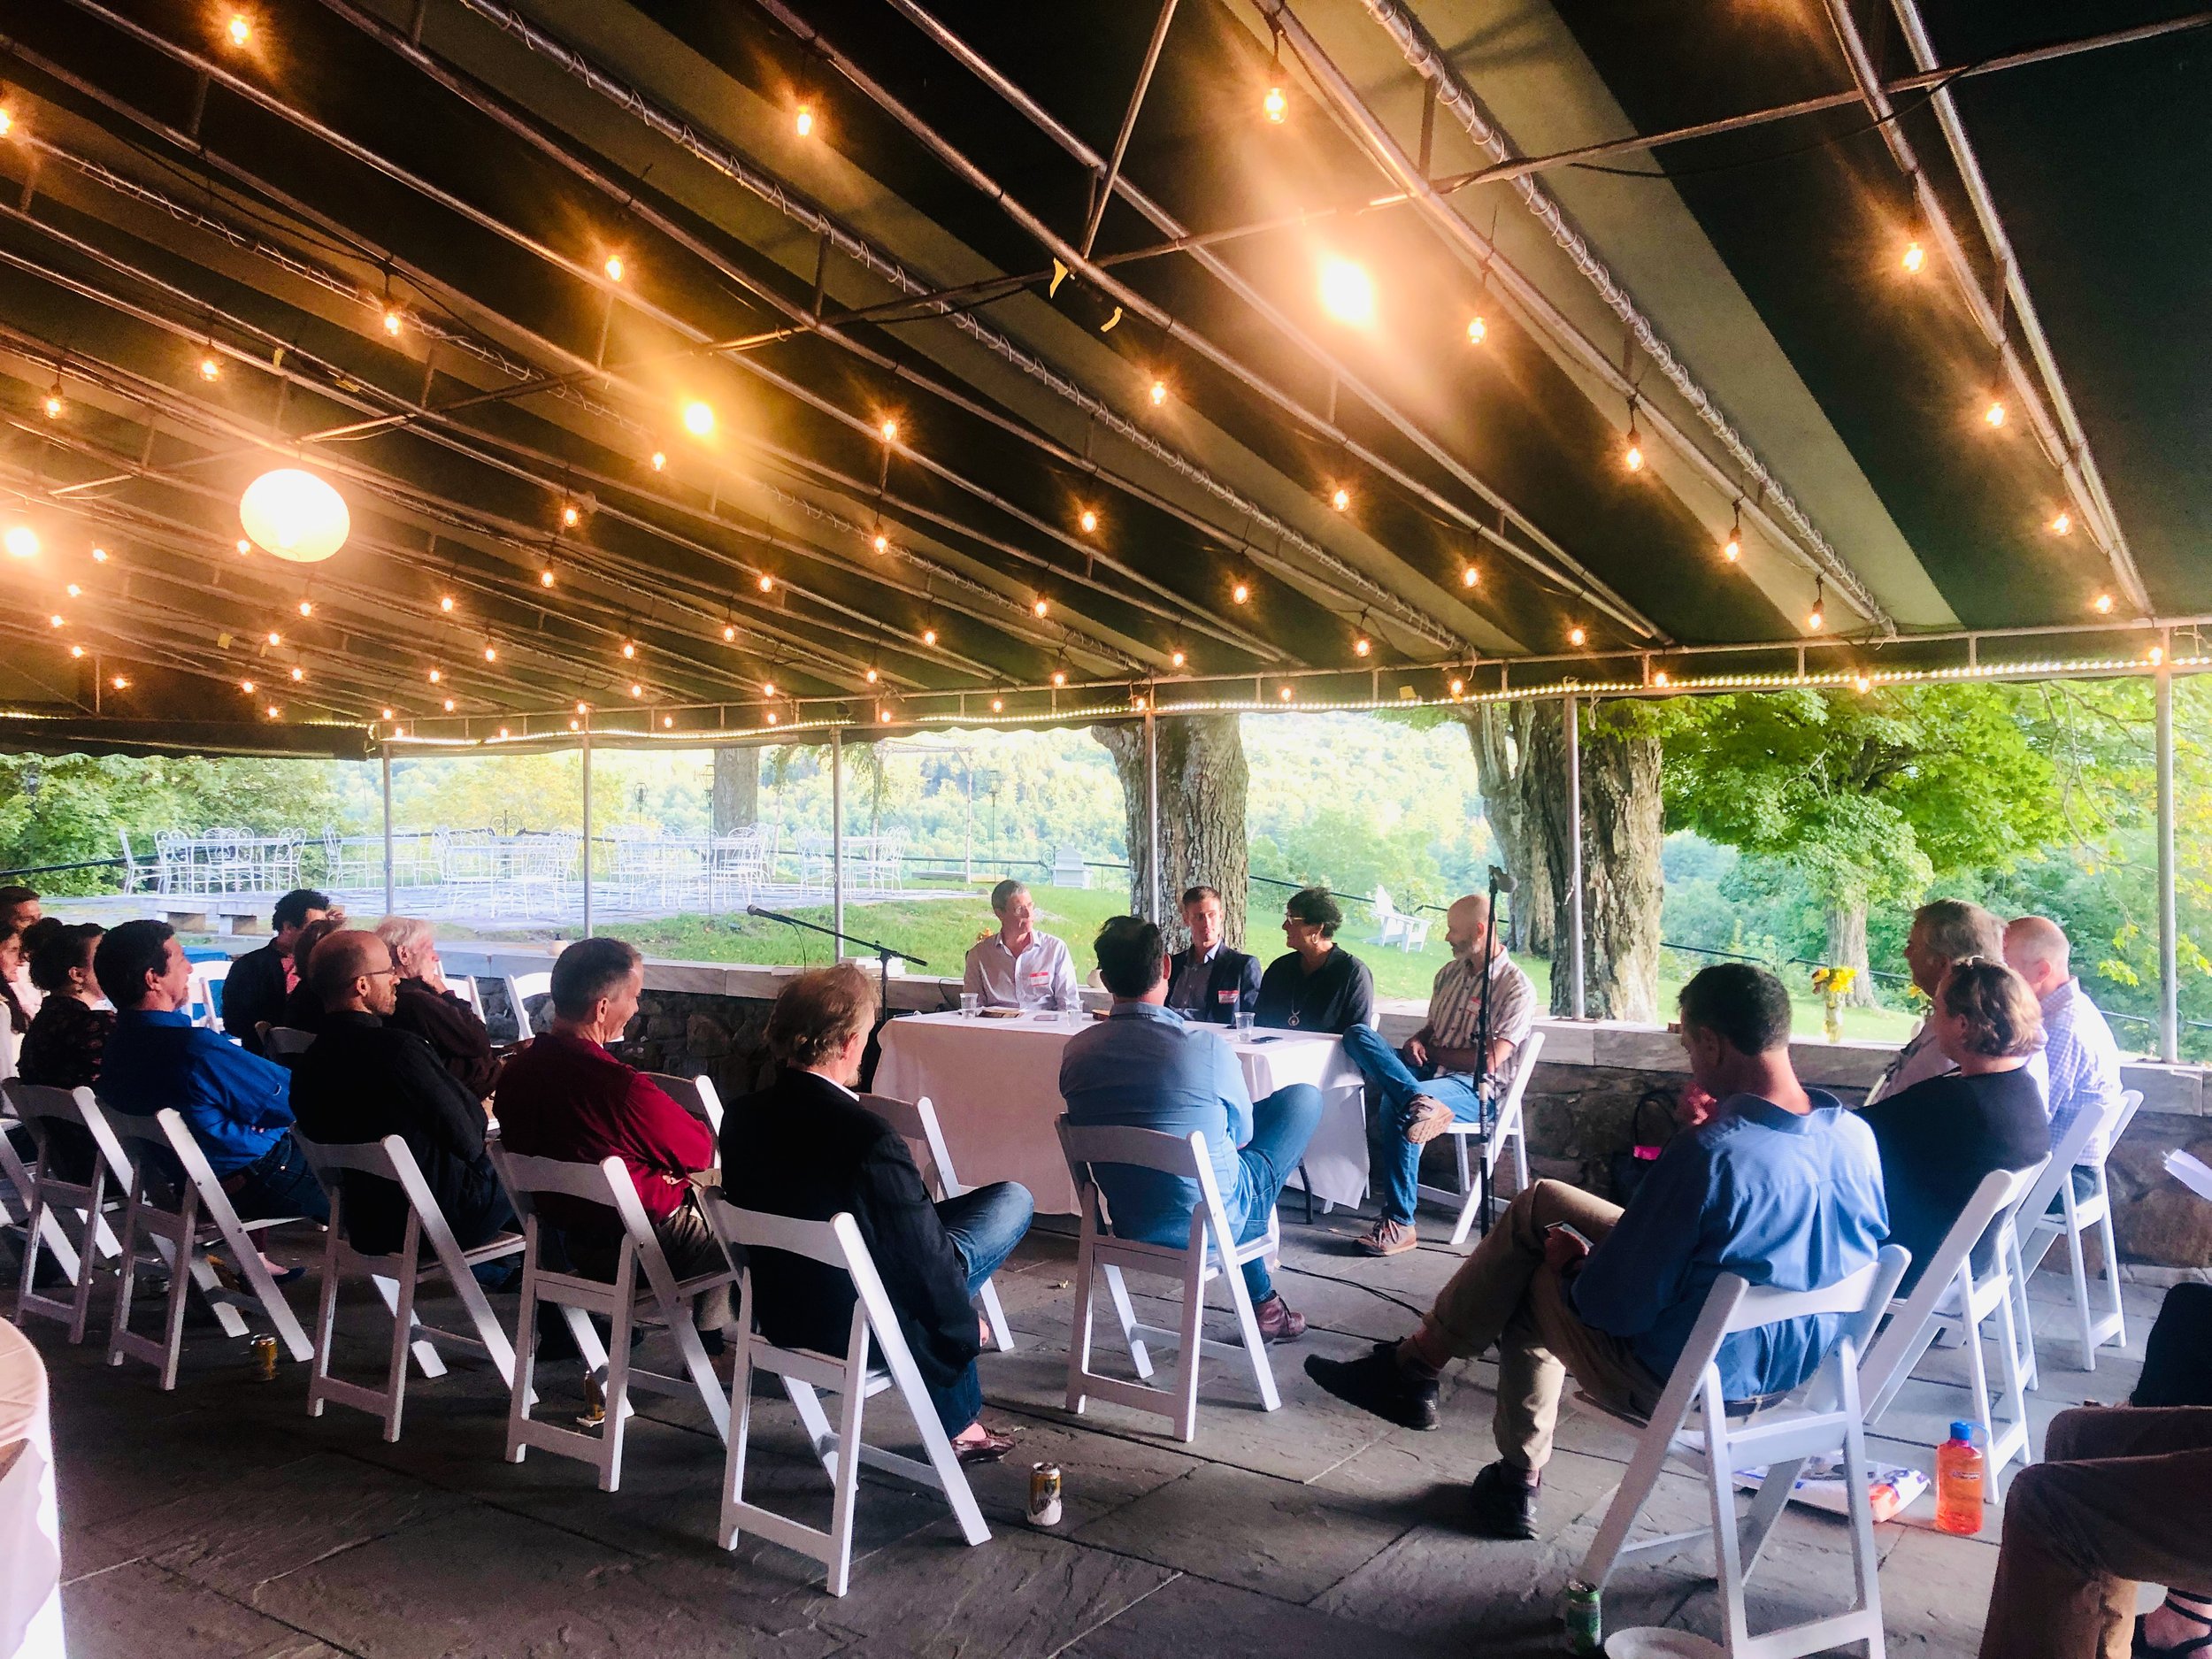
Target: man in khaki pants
x,y
1778,1184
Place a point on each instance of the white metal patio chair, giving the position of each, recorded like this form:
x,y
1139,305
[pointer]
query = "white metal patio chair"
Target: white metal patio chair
x,y
1822,1417
1211,1253
1507,1126
48,1198
2039,1229
696,1094
915,1122
639,1258
179,1221
396,1278
876,1361
1948,1280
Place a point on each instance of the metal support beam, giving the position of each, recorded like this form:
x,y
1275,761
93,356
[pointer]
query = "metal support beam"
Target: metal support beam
x,y
1105,186
587,754
1153,910
1573,721
2169,975
386,759
837,833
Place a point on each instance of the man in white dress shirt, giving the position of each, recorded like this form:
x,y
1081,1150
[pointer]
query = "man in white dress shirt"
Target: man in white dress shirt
x,y
1945,933
1018,966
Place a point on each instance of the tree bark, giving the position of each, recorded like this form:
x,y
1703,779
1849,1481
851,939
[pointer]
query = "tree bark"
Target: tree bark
x,y
1846,949
735,803
1622,885
1499,735
1202,841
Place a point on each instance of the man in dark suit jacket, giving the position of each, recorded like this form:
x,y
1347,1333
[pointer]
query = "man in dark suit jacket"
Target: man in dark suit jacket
x,y
363,1079
806,1148
1210,982
258,982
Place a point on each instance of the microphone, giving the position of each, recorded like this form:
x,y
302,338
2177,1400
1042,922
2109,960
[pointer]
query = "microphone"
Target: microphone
x,y
1499,880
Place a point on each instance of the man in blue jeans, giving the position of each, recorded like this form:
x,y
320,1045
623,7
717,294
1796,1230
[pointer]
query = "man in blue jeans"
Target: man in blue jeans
x,y
805,1147
1144,1068
1415,1093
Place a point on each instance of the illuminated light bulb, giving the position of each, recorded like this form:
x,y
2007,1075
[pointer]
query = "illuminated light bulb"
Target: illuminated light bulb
x,y
240,28
1478,331
1176,659
387,714
246,685
1660,679
436,674
1996,413
1816,620
768,688
243,546
275,638
7,121
1040,608
2102,604
545,579
871,676
575,725
76,650
882,543
636,690
890,431
210,368
883,715
448,705
804,121
491,653
615,267
667,720
393,321
1347,293
629,648
1862,683
773,717
1137,702
929,636
699,420
1577,636
1732,550
1238,594
2157,655
21,541
1284,693
2063,525
1362,646
1632,457
74,591
307,607
99,556
55,620
998,705
1340,499
445,602
1159,393
299,674
1913,258
729,632
502,730
1276,106
583,708
1458,685
1059,676
767,583
54,405
572,515
660,459
1089,520
274,712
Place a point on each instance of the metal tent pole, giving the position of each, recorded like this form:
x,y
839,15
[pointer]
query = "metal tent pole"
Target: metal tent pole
x,y
837,833
586,751
388,906
1574,852
1152,819
2168,977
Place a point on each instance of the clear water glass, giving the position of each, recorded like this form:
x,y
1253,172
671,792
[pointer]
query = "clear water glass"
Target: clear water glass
x,y
1241,1020
971,1004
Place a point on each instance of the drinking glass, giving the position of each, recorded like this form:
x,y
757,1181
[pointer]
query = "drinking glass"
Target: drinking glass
x,y
971,1004
1241,1020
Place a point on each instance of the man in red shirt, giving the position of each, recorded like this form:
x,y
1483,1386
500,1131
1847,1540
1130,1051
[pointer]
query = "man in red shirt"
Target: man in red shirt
x,y
565,1098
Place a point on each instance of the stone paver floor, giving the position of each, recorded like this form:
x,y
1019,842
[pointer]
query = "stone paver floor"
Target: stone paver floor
x,y
221,1519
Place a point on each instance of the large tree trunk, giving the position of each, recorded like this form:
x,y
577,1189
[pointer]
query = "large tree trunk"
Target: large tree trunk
x,y
1621,880
1499,735
1202,841
1846,949
735,803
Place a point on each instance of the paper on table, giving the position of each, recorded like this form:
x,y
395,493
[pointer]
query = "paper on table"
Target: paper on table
x,y
2191,1172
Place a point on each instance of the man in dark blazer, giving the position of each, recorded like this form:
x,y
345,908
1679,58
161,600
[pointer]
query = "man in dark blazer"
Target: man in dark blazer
x,y
806,1148
258,982
1210,982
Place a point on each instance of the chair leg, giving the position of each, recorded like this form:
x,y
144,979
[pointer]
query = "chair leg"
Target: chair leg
x,y
520,1394
1186,1359
2118,1315
1255,1344
1127,1315
1628,1502
2017,1394
617,1393
847,1479
173,1317
995,1315
326,1322
1080,1332
125,1276
2077,1265
1720,1481
2031,1377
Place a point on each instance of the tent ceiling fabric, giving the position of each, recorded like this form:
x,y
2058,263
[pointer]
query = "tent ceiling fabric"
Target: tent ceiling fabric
x,y
481,264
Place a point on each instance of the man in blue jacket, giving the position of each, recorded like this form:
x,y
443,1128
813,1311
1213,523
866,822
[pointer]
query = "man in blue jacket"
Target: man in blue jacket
x,y
1209,982
1780,1185
237,1105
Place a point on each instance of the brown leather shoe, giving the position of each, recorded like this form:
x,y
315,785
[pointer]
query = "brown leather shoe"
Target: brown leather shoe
x,y
1428,1118
992,1448
1278,1321
1388,1238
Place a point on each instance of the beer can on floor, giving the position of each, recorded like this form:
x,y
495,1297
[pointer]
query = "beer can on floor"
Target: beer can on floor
x,y
1044,1494
1586,1622
263,1348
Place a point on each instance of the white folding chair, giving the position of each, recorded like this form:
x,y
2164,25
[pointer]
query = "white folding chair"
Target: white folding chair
x,y
2086,1147
520,988
606,1184
915,1122
1508,1125
207,992
1211,1252
396,1278
852,1377
696,1094
1821,1417
15,1203
48,1198
180,1221
1948,1291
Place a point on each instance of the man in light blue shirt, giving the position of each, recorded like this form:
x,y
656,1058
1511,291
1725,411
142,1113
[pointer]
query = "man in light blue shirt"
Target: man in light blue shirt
x,y
2081,1058
1780,1184
1144,1068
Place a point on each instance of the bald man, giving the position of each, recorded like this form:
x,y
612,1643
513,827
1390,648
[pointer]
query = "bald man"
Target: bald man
x,y
2079,1053
362,1079
1437,1076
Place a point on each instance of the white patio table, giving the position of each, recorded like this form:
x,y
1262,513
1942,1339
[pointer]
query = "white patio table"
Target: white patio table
x,y
996,1083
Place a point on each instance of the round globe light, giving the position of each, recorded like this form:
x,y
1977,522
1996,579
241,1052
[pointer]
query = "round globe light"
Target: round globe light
x,y
295,515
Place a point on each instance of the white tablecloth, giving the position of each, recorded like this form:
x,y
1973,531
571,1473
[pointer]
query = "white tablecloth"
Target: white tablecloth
x,y
996,1083
30,1523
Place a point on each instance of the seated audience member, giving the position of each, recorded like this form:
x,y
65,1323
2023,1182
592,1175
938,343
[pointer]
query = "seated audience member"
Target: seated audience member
x,y
1018,966
1143,1068
366,1078
236,1104
1941,1137
2177,1372
257,983
19,912
1435,1079
805,1147
15,1019
1319,986
429,1009
303,1008
62,1049
2081,1060
1945,933
1208,981
1778,1184
565,1098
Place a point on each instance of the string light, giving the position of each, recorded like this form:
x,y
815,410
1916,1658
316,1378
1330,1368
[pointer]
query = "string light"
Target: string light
x,y
890,431
2063,524
57,621
1915,258
1276,106
882,543
572,515
1660,678
1862,683
1340,498
629,648
1817,618
1478,331
660,459
387,714
240,29
436,674
1996,413
2157,655
275,638
767,583
1241,593
729,633
2102,604
275,713
1578,635
99,556
768,688
1362,646
998,705
491,653
445,602
773,717
1159,393
54,404
502,730
76,650
929,636
699,420
307,607
21,541
804,121
1283,693
1457,685
636,690
1059,676
210,367
667,720
393,321
583,708
575,725
298,674
1347,293
883,716
1176,659
545,579
1732,549
615,267
1469,577
243,547
1040,609
1089,519
871,676
246,685
1632,457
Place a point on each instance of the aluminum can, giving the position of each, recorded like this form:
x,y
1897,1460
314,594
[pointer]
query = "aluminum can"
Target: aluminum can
x,y
1044,1494
264,1349
1585,1623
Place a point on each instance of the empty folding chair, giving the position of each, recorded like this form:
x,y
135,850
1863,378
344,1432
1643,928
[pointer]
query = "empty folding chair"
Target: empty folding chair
x,y
396,1278
207,992
50,1199
1506,1125
696,1094
1212,1252
2086,1147
854,1377
521,987
180,1220
608,1184
915,1122
1949,1289
1823,1417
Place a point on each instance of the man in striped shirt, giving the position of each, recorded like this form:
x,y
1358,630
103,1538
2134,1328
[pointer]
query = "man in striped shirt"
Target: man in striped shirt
x,y
1415,1093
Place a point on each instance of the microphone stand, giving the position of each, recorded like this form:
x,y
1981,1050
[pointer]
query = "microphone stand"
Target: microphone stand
x,y
883,953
